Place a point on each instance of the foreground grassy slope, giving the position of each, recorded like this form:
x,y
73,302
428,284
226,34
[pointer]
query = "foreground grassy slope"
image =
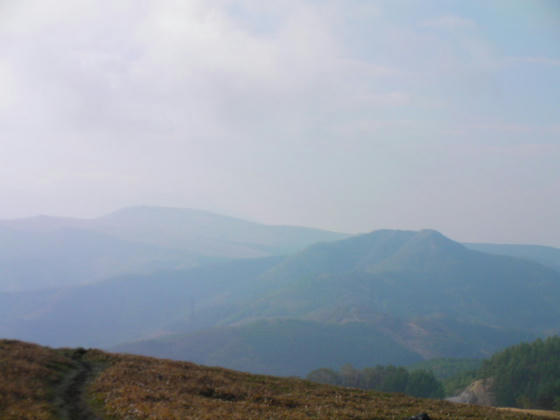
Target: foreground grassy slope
x,y
29,375
143,387
134,387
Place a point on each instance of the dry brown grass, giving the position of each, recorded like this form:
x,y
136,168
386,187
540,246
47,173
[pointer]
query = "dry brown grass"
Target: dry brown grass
x,y
28,374
147,388
543,413
135,387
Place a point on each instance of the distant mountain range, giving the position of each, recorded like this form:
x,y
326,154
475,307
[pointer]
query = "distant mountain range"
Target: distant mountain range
x,y
45,252
545,255
417,293
384,297
411,274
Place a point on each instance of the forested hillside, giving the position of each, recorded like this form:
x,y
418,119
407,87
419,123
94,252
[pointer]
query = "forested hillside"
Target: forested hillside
x,y
394,297
526,375
454,374
418,383
269,346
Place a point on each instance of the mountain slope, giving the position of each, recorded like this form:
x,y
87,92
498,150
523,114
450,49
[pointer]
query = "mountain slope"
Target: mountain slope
x,y
129,307
269,346
188,230
43,252
416,292
70,256
526,375
545,255
36,381
280,347
412,274
207,233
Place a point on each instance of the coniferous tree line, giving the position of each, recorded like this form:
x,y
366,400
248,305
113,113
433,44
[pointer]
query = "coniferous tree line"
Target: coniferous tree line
x,y
419,383
526,375
455,374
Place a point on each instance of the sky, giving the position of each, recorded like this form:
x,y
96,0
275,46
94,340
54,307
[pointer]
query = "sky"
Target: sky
x,y
348,115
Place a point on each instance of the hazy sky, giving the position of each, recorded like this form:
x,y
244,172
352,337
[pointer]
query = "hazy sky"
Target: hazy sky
x,y
345,115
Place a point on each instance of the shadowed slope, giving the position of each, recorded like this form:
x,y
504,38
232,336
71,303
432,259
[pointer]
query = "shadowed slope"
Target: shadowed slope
x,y
412,274
545,255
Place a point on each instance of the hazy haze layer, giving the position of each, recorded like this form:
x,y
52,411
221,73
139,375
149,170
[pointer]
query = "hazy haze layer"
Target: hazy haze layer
x,y
343,115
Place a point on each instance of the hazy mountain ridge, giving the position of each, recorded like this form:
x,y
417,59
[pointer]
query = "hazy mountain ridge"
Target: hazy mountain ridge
x,y
42,252
128,307
545,255
418,293
415,274
190,230
449,304
68,256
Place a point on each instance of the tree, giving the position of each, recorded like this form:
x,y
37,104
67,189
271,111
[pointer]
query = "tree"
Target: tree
x,y
422,383
325,376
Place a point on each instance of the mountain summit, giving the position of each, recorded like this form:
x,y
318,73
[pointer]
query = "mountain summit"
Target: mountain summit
x,y
408,273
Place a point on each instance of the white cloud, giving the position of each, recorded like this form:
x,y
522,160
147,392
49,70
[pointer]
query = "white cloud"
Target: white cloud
x,y
271,110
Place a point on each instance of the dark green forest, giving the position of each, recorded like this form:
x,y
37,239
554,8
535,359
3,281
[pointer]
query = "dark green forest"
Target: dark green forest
x,y
418,383
454,374
526,375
